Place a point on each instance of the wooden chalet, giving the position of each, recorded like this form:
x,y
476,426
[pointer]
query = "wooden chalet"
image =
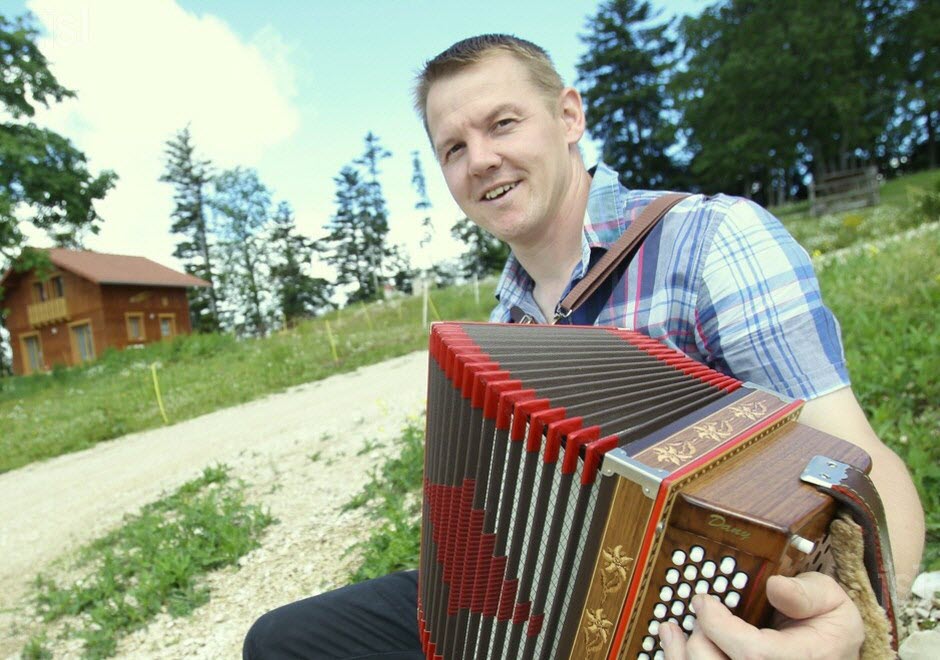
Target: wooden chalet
x,y
88,302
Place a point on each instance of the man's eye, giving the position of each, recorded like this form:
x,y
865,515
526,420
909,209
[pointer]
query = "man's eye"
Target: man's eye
x,y
453,150
503,123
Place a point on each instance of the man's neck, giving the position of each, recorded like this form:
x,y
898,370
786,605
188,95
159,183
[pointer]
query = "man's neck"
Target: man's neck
x,y
552,257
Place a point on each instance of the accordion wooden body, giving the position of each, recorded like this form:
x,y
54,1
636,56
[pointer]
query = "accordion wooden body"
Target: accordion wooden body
x,y
582,484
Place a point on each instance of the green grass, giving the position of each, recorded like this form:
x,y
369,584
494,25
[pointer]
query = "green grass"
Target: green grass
x,y
71,409
154,562
902,207
393,496
887,301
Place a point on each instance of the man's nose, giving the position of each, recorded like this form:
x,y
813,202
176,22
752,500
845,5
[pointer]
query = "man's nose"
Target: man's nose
x,y
482,156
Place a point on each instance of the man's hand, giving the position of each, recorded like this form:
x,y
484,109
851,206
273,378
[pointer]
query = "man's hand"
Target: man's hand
x,y
818,621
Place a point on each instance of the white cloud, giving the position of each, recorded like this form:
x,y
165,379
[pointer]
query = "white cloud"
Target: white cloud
x,y
143,70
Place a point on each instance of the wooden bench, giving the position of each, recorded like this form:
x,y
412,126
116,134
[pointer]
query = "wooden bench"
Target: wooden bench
x,y
841,191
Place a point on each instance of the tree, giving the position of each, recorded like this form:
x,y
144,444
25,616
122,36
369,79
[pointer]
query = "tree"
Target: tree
x,y
358,230
423,203
299,295
375,229
623,76
242,203
346,236
191,177
911,46
44,179
484,255
770,91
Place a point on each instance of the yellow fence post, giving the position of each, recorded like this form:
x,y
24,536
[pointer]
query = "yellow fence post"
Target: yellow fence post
x,y
329,333
156,389
433,308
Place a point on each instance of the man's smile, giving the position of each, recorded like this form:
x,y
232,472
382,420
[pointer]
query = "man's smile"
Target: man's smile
x,y
498,191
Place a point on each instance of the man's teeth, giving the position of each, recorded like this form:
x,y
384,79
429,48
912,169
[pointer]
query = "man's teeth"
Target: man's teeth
x,y
496,192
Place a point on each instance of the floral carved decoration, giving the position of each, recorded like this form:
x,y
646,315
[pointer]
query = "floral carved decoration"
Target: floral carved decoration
x,y
749,410
597,630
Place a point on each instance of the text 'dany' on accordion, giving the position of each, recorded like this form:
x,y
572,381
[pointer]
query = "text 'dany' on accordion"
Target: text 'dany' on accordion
x,y
582,484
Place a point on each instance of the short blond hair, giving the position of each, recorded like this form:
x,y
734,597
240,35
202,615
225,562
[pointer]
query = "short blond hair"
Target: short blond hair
x,y
474,50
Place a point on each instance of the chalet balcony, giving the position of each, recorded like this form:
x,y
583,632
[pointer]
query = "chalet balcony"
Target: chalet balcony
x,y
48,311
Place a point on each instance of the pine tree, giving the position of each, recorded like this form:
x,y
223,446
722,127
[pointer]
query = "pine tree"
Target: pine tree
x,y
623,75
423,203
241,205
191,177
358,230
376,228
346,236
299,295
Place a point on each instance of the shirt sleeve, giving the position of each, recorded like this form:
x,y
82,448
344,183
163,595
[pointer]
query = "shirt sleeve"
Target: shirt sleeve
x,y
759,312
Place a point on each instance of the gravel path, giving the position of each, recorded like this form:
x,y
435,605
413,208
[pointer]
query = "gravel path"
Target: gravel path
x,y
51,508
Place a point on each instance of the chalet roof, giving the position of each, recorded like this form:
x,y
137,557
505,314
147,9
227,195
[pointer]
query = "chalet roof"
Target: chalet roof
x,y
103,268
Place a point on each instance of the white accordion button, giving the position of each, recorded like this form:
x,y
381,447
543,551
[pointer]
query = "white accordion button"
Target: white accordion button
x,y
684,590
732,599
649,643
678,557
678,607
690,572
727,565
701,587
739,580
672,576
688,623
643,656
721,583
653,628
659,611
697,553
665,593
708,570
659,655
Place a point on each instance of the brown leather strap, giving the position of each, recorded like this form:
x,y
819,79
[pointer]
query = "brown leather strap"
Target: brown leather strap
x,y
623,248
855,490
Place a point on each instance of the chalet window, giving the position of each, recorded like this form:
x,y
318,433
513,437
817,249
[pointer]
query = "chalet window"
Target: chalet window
x,y
82,342
167,325
58,287
39,292
32,352
135,326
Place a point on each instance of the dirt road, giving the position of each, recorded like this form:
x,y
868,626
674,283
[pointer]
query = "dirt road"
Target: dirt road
x,y
51,508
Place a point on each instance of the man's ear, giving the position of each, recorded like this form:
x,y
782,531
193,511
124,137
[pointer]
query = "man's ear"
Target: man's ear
x,y
572,113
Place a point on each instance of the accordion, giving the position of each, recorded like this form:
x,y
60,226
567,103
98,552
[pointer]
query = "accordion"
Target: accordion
x,y
582,484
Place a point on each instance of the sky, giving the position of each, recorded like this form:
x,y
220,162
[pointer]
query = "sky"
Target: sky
x,y
287,87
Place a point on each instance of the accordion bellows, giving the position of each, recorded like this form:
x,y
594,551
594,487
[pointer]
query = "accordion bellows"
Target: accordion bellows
x,y
582,484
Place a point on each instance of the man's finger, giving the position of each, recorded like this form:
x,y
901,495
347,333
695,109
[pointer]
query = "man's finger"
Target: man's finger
x,y
696,647
805,596
731,635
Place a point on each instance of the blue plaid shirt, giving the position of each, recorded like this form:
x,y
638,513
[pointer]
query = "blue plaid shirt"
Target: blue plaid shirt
x,y
718,278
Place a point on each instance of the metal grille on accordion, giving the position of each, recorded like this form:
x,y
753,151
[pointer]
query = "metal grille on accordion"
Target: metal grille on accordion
x,y
582,484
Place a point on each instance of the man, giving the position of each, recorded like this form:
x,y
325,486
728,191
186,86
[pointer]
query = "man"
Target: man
x,y
718,278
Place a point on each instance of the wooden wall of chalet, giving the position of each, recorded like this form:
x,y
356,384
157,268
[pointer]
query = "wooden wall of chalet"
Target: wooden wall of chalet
x,y
105,307
83,301
150,301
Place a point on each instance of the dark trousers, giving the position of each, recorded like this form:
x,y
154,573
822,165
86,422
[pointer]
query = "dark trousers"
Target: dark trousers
x,y
373,619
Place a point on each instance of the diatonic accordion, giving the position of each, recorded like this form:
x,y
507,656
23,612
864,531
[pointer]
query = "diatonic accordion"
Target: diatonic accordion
x,y
582,484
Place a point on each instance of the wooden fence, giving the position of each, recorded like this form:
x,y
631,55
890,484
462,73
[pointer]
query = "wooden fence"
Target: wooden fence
x,y
840,191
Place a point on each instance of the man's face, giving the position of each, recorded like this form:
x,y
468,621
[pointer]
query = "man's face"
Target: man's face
x,y
504,148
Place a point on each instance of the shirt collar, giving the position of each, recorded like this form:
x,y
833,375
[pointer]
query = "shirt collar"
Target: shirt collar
x,y
603,225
